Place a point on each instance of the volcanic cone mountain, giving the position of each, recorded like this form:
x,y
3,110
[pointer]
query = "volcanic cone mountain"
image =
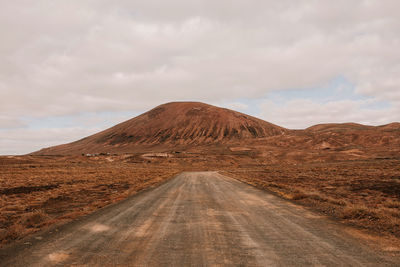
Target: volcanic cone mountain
x,y
176,124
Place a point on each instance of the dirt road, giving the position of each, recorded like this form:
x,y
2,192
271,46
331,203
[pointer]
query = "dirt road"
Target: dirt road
x,y
196,219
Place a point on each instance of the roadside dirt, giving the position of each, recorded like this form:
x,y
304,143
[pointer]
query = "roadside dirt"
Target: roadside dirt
x,y
197,219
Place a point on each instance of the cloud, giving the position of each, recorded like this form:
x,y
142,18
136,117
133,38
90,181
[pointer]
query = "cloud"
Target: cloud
x,y
14,141
236,106
10,123
91,56
66,58
303,113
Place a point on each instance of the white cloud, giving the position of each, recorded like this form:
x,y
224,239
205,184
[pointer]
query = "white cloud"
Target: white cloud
x,y
303,113
236,106
15,141
10,122
71,57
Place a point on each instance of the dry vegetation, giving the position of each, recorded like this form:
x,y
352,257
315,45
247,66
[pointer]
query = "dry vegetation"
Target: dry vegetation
x,y
304,166
364,193
37,191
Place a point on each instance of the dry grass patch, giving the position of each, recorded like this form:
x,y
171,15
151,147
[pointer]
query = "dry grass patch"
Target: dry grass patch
x,y
365,194
39,191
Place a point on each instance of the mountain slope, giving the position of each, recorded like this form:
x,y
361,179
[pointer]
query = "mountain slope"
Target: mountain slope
x,y
170,125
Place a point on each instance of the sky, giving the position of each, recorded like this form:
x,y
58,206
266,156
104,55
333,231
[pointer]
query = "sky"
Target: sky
x,y
71,68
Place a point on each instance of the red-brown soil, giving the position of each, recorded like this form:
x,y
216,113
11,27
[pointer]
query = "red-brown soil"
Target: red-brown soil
x,y
37,191
198,127
349,171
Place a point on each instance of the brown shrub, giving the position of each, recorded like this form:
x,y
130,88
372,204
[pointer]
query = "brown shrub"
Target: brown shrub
x,y
14,232
33,219
359,212
338,202
392,205
318,197
3,233
299,196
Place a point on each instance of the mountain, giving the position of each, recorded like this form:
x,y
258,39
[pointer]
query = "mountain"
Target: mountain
x,y
198,127
173,125
361,141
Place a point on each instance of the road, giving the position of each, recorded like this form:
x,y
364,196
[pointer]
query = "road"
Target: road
x,y
197,219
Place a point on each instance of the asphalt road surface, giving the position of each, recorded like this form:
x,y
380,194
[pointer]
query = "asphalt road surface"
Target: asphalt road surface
x,y
197,219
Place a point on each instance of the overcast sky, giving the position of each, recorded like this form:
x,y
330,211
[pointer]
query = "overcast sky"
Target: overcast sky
x,y
70,68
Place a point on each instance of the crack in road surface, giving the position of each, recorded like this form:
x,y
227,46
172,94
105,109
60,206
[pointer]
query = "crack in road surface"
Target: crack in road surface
x,y
197,219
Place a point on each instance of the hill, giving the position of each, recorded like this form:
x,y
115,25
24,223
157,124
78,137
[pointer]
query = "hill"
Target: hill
x,y
172,125
198,127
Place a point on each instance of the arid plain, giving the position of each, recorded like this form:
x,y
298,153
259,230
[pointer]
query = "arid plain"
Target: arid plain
x,y
348,172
